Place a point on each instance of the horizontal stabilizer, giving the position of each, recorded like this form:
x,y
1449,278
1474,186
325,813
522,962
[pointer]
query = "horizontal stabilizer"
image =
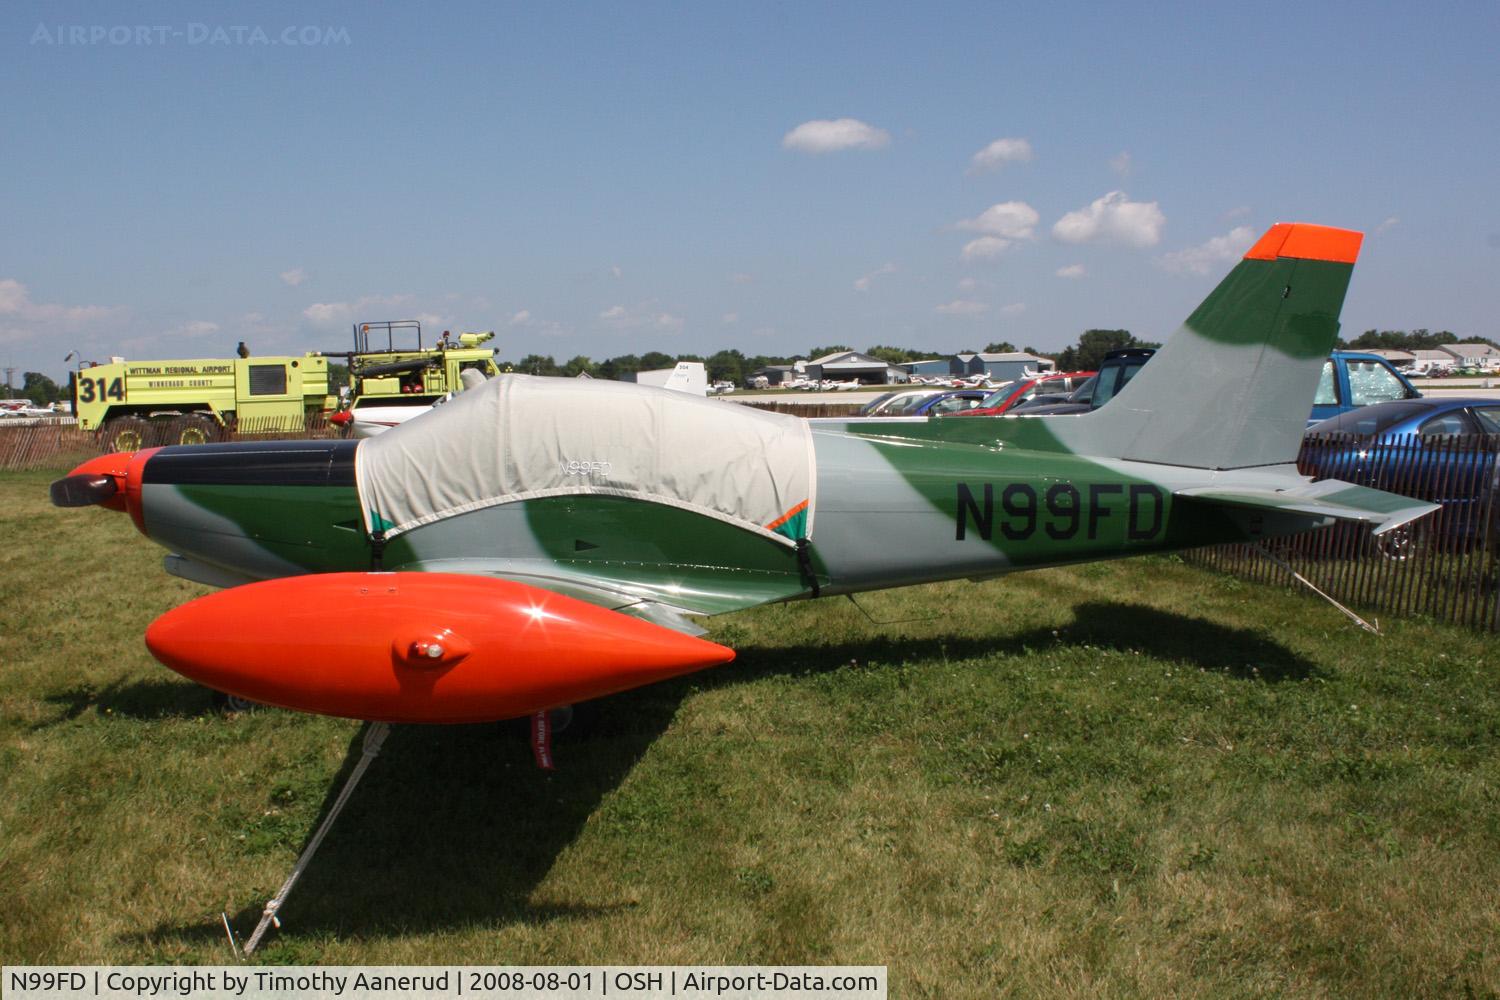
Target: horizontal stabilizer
x,y
1326,498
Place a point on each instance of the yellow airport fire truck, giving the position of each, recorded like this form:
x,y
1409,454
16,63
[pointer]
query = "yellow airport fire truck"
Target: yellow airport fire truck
x,y
138,404
394,375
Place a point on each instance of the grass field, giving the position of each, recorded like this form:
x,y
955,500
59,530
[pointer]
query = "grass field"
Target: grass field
x,y
1132,779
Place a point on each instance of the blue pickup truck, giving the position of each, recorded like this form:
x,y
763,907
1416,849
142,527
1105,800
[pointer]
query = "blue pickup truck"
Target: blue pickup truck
x,y
1351,380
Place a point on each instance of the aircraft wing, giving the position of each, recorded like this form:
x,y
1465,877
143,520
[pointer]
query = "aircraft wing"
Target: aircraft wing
x,y
652,603
1326,498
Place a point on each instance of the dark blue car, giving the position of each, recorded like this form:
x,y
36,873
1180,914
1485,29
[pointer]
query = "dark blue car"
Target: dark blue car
x,y
1429,416
1438,449
947,402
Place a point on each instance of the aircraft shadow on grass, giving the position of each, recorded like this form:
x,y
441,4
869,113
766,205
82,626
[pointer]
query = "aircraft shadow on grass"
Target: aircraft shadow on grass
x,y
1243,653
164,698
454,826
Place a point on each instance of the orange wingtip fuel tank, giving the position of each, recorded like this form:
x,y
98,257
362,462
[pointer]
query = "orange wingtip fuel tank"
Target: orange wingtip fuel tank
x,y
417,647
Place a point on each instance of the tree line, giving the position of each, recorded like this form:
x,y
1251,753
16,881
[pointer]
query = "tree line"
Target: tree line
x,y
1413,340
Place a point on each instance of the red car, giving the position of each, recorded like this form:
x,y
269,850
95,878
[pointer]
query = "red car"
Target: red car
x,y
1013,394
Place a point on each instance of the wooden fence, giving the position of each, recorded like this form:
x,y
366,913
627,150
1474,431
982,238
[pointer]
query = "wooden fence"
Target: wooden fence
x,y
52,443
43,444
806,409
1445,565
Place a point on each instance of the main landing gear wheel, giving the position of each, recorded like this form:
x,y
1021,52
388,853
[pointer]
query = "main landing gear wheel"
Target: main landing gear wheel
x,y
195,428
126,434
233,704
1396,545
573,719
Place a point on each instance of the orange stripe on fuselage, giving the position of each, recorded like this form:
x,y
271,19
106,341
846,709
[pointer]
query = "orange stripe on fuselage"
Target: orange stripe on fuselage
x,y
1304,241
784,518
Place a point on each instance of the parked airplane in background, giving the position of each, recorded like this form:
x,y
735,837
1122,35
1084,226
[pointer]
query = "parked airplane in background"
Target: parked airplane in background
x,y
555,537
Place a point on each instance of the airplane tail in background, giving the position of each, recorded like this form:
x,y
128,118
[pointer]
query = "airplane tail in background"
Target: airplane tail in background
x,y
1232,388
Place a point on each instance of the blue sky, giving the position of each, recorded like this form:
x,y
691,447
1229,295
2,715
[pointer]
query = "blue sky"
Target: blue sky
x,y
606,179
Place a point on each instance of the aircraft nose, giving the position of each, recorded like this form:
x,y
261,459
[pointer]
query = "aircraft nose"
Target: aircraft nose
x,y
112,481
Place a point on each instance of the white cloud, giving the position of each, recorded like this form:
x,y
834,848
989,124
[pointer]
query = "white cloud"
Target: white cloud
x,y
642,316
985,247
1122,163
167,341
962,307
534,327
195,328
741,278
1205,258
1014,309
862,284
728,319
1011,220
328,313
15,301
824,136
1002,225
967,284
13,297
1238,212
1113,218
998,153
334,313
615,271
294,277
254,326
1390,221
1072,271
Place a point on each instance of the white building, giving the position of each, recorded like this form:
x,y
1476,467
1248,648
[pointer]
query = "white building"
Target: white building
x,y
1472,355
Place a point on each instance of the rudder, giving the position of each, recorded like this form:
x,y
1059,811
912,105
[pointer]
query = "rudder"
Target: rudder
x,y
1233,386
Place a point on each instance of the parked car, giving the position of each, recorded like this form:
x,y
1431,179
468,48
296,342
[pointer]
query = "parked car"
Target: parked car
x,y
1012,394
1041,399
1352,379
1118,368
946,403
1427,416
891,404
1440,450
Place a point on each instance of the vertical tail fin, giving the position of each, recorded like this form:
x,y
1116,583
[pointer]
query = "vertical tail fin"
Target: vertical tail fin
x,y
1233,386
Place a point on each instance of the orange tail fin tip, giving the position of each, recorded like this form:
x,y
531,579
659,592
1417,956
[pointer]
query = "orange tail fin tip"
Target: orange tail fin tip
x,y
1305,241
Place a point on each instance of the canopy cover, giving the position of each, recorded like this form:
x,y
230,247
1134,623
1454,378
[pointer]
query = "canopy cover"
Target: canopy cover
x,y
518,437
